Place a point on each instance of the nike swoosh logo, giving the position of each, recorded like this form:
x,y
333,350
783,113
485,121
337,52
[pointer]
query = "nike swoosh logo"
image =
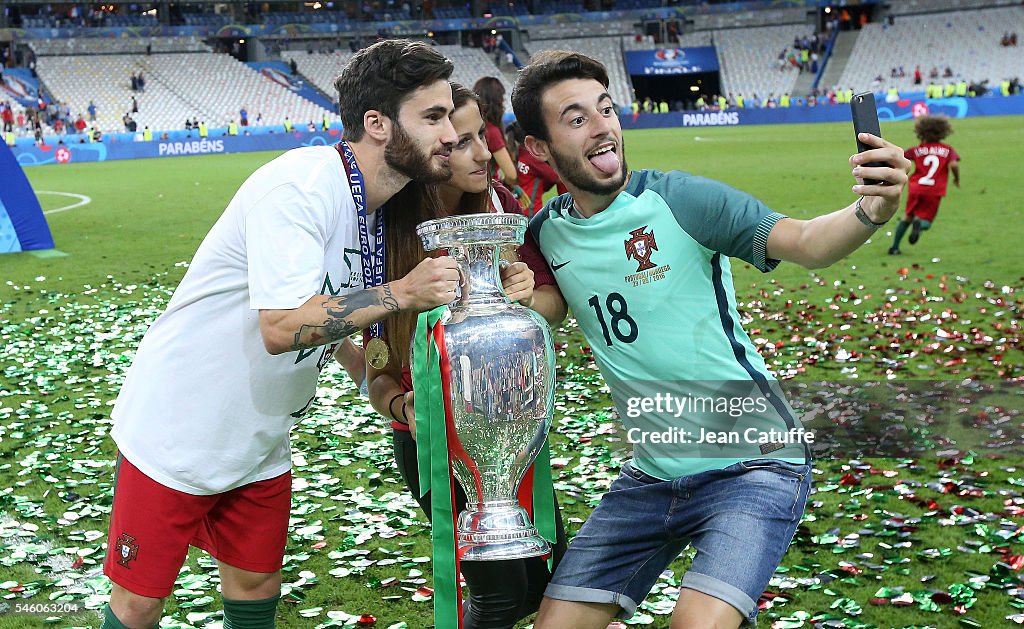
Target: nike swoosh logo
x,y
555,267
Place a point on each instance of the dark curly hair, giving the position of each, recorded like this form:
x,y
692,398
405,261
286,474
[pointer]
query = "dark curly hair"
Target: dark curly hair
x,y
932,129
381,76
545,69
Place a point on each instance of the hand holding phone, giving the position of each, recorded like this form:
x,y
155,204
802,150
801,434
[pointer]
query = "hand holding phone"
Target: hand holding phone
x,y
865,120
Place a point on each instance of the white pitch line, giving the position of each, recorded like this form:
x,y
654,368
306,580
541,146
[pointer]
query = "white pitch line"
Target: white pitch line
x,y
82,200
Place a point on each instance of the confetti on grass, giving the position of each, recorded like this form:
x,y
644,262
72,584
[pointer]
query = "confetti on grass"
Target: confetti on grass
x,y
884,543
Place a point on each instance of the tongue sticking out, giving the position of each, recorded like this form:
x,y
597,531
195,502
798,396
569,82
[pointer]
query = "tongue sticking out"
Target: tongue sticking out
x,y
607,162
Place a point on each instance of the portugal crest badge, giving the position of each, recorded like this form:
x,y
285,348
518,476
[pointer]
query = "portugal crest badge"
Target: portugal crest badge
x,y
126,549
640,246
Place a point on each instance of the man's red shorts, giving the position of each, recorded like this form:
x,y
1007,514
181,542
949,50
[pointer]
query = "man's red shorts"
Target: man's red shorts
x,y
152,526
923,207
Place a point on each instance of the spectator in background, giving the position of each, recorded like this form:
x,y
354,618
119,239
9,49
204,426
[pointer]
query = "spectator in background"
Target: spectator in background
x,y
536,177
492,97
91,109
135,83
141,82
917,75
135,105
80,124
7,115
243,116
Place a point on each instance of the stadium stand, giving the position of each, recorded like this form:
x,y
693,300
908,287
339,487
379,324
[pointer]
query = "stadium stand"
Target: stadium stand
x,y
206,19
470,64
208,86
747,57
966,41
703,21
572,30
319,68
905,7
212,86
473,63
122,46
607,50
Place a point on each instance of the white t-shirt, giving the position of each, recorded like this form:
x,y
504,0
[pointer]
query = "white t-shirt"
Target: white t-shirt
x,y
204,407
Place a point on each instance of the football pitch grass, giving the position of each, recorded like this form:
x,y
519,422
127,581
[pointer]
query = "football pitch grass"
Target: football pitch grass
x,y
926,542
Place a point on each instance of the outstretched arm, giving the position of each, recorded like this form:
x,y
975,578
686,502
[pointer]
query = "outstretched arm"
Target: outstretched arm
x,y
823,240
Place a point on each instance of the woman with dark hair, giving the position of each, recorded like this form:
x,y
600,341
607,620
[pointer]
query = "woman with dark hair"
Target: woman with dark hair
x,y
501,592
492,104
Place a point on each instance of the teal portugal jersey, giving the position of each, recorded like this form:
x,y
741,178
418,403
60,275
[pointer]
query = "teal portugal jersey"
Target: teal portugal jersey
x,y
650,284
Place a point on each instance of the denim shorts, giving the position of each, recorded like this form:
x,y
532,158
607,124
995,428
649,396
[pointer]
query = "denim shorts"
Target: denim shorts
x,y
740,520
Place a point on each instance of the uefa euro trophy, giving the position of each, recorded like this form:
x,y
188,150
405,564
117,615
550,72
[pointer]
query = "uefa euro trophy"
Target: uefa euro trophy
x,y
501,364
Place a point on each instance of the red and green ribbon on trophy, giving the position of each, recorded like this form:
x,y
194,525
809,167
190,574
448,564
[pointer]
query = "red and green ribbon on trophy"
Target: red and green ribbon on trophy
x,y
436,444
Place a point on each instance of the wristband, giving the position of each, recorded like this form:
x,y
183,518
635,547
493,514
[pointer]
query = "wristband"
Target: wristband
x,y
392,412
863,217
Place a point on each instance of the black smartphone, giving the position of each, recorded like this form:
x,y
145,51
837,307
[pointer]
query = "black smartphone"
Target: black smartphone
x,y
865,120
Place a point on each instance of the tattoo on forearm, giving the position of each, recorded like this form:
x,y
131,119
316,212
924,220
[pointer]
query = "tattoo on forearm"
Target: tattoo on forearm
x,y
388,300
338,322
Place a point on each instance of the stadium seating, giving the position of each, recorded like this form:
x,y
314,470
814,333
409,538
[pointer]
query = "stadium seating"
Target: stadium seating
x,y
470,64
938,6
747,57
206,19
123,45
208,86
966,41
607,50
473,63
319,68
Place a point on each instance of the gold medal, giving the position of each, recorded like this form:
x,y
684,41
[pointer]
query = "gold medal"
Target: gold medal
x,y
377,353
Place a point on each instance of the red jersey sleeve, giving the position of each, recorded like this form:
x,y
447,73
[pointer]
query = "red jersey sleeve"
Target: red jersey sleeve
x,y
528,252
495,138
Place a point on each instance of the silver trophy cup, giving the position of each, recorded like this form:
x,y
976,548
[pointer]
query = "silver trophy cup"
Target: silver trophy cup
x,y
502,366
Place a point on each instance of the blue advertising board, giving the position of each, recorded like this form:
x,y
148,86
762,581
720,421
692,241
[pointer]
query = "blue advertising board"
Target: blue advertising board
x,y
669,61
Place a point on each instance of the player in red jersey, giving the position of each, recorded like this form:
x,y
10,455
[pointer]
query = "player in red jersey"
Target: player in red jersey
x,y
535,176
933,161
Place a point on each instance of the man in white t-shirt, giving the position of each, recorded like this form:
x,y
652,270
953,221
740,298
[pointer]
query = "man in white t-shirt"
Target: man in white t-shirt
x,y
203,418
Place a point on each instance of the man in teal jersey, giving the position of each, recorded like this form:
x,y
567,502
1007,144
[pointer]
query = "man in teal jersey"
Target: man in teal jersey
x,y
643,260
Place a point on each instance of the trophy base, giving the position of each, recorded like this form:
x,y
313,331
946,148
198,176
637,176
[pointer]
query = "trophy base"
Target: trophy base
x,y
496,532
